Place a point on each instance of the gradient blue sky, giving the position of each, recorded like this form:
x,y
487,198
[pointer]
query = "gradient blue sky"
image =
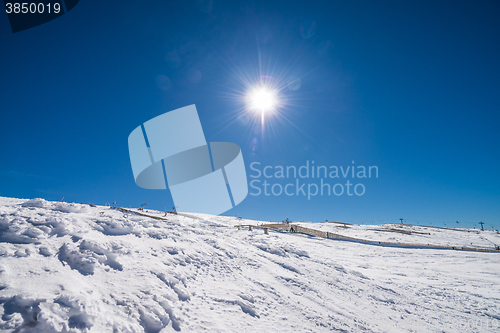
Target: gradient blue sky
x,y
412,88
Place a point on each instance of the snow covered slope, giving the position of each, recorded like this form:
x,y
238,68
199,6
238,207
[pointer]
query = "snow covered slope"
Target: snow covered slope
x,y
71,267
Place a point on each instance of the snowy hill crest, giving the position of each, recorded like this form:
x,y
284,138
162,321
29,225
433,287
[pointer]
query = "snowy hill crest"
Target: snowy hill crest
x,y
75,268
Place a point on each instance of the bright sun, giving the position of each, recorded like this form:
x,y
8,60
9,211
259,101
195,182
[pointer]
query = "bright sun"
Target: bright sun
x,y
262,99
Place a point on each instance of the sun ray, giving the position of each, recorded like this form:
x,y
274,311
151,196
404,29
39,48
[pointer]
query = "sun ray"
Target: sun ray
x,y
268,95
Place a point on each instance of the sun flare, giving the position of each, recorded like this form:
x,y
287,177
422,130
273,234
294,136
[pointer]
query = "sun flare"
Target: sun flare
x,y
262,99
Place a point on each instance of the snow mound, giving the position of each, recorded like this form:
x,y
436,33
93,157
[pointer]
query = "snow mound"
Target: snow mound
x,y
37,202
70,208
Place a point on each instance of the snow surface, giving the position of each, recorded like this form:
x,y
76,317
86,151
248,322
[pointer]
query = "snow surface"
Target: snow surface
x,y
75,268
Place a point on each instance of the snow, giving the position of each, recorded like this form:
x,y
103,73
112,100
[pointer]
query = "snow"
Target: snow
x,y
76,268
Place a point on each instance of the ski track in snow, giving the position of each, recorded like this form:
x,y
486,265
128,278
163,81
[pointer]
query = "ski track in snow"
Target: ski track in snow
x,y
75,268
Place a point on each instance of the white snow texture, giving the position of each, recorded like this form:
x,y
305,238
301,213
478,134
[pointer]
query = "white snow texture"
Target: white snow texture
x,y
75,268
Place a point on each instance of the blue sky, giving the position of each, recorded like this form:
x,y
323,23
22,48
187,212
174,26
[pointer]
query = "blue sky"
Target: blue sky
x,y
411,88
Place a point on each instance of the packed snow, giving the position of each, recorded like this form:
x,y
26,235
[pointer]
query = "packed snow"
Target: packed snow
x,y
76,268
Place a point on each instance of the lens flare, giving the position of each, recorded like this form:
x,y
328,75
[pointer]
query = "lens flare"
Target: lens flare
x,y
294,83
266,94
262,99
